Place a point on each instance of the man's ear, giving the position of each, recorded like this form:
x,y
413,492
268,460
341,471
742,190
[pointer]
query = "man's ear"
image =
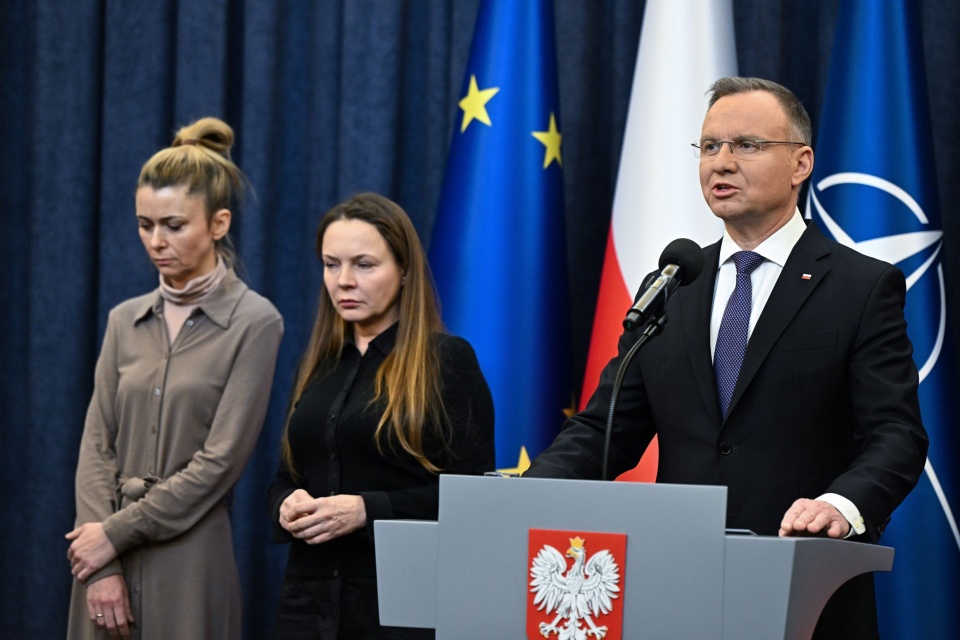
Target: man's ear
x,y
803,165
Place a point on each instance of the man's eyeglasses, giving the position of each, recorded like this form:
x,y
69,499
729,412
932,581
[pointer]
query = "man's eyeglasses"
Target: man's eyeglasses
x,y
741,147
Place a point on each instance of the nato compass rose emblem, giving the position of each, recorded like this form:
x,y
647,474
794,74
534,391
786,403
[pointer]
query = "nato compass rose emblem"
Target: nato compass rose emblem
x,y
915,252
574,595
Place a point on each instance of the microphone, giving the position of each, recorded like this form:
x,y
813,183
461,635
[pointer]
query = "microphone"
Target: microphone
x,y
681,263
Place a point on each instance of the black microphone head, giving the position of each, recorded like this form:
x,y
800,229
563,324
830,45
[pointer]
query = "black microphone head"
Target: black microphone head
x,y
686,254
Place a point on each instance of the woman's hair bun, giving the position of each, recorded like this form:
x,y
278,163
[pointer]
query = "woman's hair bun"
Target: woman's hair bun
x,y
212,133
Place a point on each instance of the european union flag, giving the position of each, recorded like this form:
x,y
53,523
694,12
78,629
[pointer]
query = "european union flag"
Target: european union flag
x,y
874,188
498,251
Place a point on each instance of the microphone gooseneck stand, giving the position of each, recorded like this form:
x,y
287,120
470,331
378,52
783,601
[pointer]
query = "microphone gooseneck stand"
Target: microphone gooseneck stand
x,y
653,328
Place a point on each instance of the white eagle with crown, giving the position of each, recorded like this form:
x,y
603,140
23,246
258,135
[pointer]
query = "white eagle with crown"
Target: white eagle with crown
x,y
579,594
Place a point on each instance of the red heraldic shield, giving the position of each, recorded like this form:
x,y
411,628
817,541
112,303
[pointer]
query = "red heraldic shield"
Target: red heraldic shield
x,y
575,585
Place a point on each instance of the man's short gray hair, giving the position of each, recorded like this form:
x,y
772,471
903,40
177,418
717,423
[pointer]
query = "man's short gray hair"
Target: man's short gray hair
x,y
796,114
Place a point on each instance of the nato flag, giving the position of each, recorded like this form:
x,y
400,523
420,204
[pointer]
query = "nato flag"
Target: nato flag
x,y
874,188
498,251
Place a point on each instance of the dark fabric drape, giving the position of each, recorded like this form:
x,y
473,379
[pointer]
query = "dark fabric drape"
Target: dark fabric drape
x,y
327,98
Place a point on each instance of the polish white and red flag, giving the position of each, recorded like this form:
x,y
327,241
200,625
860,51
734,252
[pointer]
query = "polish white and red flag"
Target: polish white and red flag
x,y
685,45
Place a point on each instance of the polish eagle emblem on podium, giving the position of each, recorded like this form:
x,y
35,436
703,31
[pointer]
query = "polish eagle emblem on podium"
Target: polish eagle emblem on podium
x,y
575,595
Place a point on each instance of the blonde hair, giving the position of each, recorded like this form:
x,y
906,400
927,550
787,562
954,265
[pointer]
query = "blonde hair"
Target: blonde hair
x,y
199,159
408,381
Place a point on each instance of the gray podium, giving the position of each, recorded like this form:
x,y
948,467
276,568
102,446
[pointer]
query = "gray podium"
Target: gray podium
x,y
467,574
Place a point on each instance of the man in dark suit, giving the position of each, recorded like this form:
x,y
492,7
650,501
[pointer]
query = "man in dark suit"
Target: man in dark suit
x,y
785,372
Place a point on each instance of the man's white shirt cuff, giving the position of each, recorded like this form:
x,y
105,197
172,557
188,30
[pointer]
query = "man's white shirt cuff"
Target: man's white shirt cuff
x,y
848,510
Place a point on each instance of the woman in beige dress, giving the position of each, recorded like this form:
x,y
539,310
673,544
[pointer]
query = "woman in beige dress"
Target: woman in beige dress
x,y
181,390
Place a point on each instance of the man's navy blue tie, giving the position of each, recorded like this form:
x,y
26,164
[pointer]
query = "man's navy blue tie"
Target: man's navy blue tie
x,y
732,336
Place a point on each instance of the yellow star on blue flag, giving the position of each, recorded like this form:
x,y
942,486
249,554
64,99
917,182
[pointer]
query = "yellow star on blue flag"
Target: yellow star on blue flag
x,y
550,139
474,104
523,463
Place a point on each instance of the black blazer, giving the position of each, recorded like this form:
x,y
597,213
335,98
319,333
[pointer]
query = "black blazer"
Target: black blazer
x,y
826,400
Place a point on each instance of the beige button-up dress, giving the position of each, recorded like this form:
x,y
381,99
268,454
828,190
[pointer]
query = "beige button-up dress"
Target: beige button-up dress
x,y
167,435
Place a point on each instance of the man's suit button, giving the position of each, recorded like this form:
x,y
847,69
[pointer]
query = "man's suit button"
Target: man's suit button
x,y
726,448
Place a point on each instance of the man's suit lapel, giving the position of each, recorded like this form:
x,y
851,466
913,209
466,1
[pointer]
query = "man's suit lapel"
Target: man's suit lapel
x,y
788,295
695,310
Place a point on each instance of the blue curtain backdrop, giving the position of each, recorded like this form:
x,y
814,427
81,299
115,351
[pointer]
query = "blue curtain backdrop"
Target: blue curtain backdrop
x,y
327,98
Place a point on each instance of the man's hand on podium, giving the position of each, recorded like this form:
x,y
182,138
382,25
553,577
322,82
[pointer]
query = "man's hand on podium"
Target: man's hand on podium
x,y
814,518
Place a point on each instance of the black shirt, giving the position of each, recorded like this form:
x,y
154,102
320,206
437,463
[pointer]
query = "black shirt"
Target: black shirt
x,y
331,435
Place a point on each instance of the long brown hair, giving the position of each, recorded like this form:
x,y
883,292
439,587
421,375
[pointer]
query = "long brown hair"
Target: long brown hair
x,y
408,381
199,159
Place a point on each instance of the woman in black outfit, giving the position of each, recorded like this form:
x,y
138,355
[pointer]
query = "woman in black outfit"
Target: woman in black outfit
x,y
384,401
